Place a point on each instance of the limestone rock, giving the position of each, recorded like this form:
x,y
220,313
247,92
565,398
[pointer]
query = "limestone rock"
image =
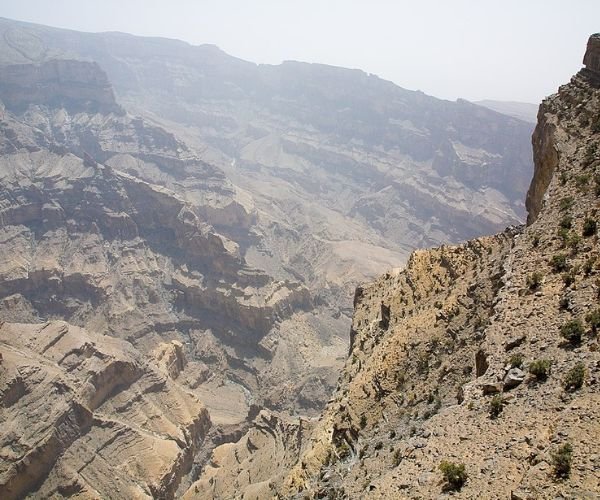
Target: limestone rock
x,y
74,85
513,378
85,414
591,60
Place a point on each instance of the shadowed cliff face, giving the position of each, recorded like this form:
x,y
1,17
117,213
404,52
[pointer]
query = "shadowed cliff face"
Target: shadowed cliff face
x,y
73,85
591,59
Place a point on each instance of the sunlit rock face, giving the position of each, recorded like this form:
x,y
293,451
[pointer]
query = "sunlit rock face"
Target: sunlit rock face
x,y
87,415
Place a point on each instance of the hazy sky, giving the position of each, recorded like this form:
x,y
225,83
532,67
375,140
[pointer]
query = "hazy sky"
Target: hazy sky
x,y
503,49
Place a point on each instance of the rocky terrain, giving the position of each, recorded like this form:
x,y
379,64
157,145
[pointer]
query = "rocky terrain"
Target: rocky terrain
x,y
181,235
101,421
348,173
474,370
125,303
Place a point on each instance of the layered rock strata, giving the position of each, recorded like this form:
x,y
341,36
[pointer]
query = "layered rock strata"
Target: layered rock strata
x,y
86,415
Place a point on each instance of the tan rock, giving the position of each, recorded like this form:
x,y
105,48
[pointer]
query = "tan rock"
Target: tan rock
x,y
84,414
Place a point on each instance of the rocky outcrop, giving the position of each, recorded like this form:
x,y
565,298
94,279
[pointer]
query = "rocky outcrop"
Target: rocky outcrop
x,y
546,158
331,177
247,468
549,140
120,227
70,84
114,224
142,225
84,414
591,60
484,355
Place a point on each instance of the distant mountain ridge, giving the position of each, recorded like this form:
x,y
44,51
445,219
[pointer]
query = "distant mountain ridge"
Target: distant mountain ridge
x,y
523,110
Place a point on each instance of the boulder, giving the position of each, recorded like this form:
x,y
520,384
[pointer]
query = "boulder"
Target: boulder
x,y
513,378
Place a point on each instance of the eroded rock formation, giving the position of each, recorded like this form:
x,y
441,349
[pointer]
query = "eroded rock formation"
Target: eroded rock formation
x,y
592,58
348,173
161,310
86,415
492,317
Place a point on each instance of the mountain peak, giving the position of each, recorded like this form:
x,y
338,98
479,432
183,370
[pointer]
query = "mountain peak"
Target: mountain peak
x,y
591,60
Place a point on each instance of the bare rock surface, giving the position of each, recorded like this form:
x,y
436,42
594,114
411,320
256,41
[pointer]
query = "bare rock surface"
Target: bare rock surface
x,y
206,251
347,173
86,415
94,232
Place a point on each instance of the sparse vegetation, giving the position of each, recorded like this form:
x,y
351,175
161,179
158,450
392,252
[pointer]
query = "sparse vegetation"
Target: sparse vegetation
x,y
589,227
593,319
343,450
568,279
535,241
572,331
363,421
559,263
540,368
516,360
423,362
534,280
454,475
590,154
566,203
561,460
573,241
588,266
496,405
566,222
563,234
582,181
574,377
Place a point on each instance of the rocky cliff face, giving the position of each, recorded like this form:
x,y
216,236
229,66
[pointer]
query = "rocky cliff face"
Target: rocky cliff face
x,y
483,355
129,257
87,415
69,84
591,59
215,259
